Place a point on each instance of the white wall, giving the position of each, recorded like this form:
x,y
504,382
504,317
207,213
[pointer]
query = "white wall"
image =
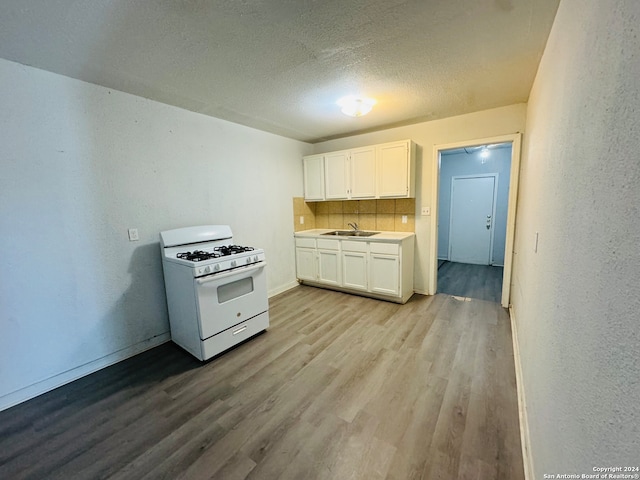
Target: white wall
x,y
485,124
81,164
462,163
577,300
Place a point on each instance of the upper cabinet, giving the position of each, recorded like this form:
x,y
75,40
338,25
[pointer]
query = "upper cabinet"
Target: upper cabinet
x,y
313,171
377,171
363,173
396,169
350,174
336,175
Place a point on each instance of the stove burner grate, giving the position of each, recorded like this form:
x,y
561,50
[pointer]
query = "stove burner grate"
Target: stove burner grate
x,y
223,251
198,255
231,250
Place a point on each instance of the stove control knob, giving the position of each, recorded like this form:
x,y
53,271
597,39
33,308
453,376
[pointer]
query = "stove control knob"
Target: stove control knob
x,y
233,263
216,267
255,258
207,269
248,259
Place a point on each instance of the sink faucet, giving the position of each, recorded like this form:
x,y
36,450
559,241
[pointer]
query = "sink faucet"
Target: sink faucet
x,y
354,225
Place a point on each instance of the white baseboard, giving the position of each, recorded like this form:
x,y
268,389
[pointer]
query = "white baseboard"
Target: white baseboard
x,y
44,386
525,438
282,288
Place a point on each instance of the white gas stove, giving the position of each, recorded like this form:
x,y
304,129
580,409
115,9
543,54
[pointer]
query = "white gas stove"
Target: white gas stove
x,y
216,291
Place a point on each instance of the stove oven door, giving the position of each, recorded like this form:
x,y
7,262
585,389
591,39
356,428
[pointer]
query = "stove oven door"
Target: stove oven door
x,y
229,298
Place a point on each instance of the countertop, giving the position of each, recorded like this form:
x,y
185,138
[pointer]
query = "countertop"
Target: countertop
x,y
379,237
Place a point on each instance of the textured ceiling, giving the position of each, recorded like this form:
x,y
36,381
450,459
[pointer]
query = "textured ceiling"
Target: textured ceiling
x,y
280,65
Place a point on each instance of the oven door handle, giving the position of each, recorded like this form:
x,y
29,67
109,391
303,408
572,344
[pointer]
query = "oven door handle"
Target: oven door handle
x,y
235,271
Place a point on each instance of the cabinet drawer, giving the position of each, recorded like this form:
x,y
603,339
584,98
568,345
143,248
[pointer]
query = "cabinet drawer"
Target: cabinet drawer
x,y
388,248
328,244
306,242
351,246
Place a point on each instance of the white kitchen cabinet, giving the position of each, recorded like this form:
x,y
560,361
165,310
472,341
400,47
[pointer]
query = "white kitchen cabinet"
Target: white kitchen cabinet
x,y
336,174
381,269
377,171
313,173
350,174
362,173
396,169
329,271
354,265
384,274
306,259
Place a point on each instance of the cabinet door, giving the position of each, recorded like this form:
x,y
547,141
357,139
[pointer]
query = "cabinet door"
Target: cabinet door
x,y
329,267
394,169
384,274
336,175
313,171
363,173
306,263
354,270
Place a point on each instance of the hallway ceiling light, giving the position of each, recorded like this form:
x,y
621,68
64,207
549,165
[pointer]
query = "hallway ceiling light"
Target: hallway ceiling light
x,y
356,106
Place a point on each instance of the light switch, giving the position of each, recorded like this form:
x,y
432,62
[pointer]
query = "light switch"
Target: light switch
x,y
301,219
404,219
133,235
426,211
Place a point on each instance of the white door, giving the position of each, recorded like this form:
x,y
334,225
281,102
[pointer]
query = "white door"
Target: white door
x,y
313,169
354,270
472,212
393,170
306,263
363,173
384,274
336,175
329,267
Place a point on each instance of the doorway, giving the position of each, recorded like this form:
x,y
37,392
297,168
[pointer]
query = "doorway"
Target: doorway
x,y
473,216
473,201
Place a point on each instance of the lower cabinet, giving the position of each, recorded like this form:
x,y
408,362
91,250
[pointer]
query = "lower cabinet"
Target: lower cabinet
x,y
380,269
306,263
329,267
354,270
384,268
384,274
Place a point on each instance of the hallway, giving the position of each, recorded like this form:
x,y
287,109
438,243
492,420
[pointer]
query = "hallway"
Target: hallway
x,y
483,282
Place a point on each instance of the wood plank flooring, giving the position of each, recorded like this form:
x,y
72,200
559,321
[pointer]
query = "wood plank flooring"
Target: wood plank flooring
x,y
483,282
339,387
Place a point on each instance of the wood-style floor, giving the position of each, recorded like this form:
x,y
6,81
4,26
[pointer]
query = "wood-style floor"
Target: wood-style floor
x,y
340,387
483,282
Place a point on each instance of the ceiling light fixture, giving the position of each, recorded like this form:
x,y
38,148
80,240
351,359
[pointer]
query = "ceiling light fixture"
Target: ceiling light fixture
x,y
356,106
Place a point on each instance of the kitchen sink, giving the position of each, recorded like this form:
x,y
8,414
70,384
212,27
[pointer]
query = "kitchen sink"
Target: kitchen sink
x,y
351,233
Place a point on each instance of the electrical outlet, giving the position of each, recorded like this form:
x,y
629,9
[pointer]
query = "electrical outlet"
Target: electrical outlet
x,y
404,219
133,235
426,211
301,219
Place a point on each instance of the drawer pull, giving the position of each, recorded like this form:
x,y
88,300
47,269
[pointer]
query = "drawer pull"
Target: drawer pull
x,y
240,330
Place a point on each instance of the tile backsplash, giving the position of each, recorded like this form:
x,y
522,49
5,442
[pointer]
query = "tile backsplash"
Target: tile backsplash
x,y
368,214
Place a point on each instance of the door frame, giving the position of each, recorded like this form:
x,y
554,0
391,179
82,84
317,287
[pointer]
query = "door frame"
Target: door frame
x,y
493,208
516,140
